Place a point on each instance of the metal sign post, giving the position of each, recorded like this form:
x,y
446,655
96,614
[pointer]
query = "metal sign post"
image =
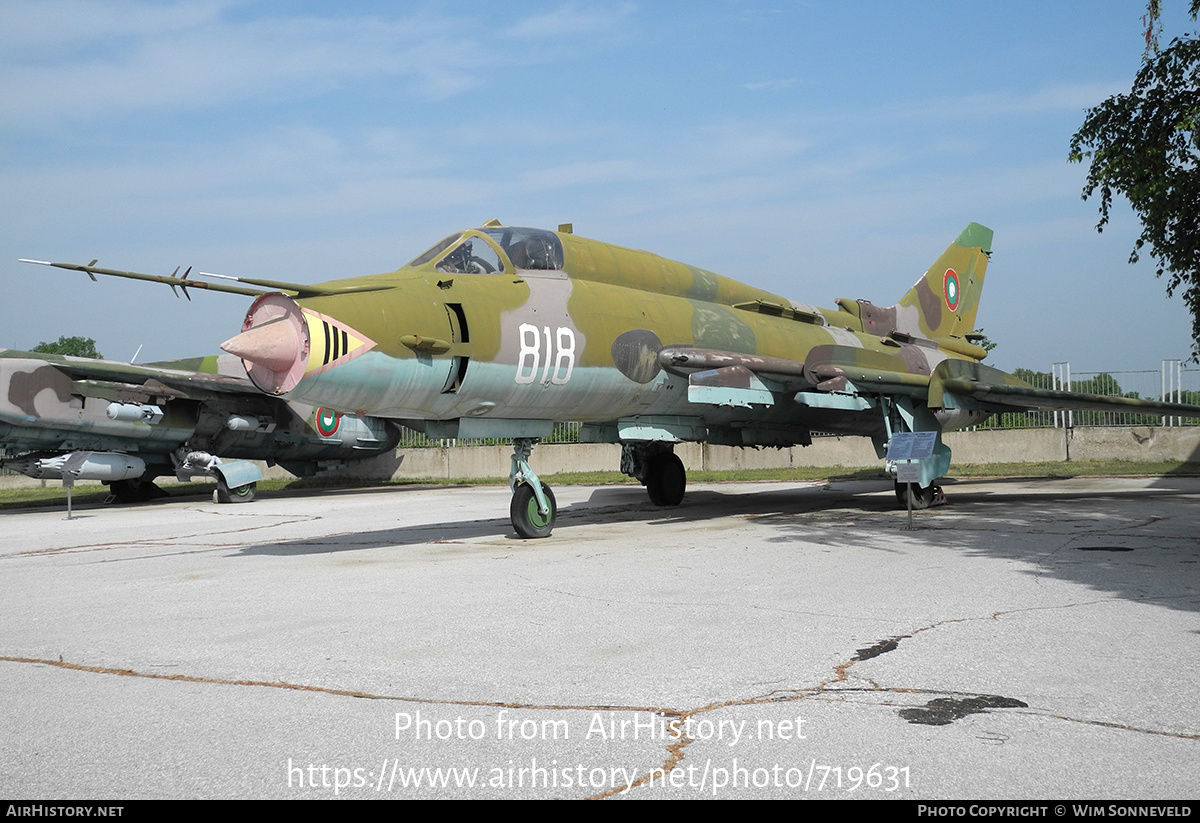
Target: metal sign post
x,y
908,473
907,450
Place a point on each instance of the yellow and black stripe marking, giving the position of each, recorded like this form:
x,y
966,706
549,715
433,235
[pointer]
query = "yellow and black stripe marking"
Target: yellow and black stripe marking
x,y
332,343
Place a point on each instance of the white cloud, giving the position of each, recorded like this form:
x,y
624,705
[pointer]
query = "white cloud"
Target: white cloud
x,y
771,85
1062,97
85,60
583,173
42,27
213,62
570,21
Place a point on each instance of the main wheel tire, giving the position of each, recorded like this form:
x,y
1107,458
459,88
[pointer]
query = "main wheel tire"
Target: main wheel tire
x,y
922,498
238,494
526,519
666,480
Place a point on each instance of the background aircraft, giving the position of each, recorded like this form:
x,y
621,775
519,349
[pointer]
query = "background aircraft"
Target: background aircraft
x,y
74,418
500,331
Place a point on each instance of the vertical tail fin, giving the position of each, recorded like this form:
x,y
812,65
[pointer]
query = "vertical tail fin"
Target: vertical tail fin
x,y
944,302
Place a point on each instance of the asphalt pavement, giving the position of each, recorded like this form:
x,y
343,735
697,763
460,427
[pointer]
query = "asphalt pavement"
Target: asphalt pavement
x,y
1031,639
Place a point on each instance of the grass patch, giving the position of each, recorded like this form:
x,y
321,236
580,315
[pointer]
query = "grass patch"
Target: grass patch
x,y
54,494
1078,468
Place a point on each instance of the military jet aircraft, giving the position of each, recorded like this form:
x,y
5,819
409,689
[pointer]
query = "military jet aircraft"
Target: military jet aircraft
x,y
73,418
500,331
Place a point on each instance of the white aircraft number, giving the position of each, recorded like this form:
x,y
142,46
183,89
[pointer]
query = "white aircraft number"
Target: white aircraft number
x,y
559,360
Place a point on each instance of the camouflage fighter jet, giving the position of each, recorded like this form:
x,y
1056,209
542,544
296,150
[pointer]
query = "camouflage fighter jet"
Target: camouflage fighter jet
x,y
72,418
500,331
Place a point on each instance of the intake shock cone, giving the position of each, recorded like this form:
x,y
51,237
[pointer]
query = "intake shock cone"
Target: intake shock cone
x,y
273,345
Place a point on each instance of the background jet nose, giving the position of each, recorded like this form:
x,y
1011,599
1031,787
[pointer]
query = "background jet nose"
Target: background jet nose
x,y
273,344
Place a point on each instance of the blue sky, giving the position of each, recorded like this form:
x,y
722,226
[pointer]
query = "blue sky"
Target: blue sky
x,y
819,150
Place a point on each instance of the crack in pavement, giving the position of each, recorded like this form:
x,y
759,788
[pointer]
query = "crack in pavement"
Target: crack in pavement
x,y
942,710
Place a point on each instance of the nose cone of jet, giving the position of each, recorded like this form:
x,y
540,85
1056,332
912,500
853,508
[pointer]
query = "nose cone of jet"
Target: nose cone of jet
x,y
273,345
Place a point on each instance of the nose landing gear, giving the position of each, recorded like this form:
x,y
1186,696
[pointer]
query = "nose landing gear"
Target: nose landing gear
x,y
533,509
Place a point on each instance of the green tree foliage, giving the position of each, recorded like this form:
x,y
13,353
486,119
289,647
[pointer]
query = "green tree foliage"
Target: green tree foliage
x,y
1037,379
1145,145
73,346
984,341
1103,384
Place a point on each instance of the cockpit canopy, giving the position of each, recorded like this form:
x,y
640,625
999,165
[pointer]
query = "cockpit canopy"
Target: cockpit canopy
x,y
490,250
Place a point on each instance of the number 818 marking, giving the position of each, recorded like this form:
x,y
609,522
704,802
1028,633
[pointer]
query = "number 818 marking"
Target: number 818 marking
x,y
559,361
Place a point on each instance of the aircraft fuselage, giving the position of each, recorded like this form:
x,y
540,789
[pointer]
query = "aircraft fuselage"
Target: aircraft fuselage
x,y
578,342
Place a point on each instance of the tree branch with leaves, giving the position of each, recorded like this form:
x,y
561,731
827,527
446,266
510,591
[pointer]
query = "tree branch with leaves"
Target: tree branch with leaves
x,y
1145,145
72,346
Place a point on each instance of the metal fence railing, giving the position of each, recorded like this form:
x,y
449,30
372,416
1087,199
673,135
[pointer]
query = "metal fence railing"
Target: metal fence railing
x,y
1172,383
413,439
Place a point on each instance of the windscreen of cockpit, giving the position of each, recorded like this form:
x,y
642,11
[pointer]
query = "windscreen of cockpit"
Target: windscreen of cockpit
x,y
529,248
435,250
474,255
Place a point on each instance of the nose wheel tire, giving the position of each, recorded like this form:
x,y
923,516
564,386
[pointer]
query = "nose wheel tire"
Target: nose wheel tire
x,y
526,519
666,480
238,494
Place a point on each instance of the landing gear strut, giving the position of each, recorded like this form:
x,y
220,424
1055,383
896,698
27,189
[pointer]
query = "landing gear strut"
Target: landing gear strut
x,y
533,509
914,435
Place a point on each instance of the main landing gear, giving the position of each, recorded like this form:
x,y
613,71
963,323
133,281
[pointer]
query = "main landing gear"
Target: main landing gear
x,y
921,497
658,468
533,509
135,490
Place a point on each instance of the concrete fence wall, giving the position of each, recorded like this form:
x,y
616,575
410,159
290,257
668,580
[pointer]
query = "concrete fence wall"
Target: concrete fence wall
x,y
1006,446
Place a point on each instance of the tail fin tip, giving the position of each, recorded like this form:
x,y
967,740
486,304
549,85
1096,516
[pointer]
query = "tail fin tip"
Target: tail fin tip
x,y
976,235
